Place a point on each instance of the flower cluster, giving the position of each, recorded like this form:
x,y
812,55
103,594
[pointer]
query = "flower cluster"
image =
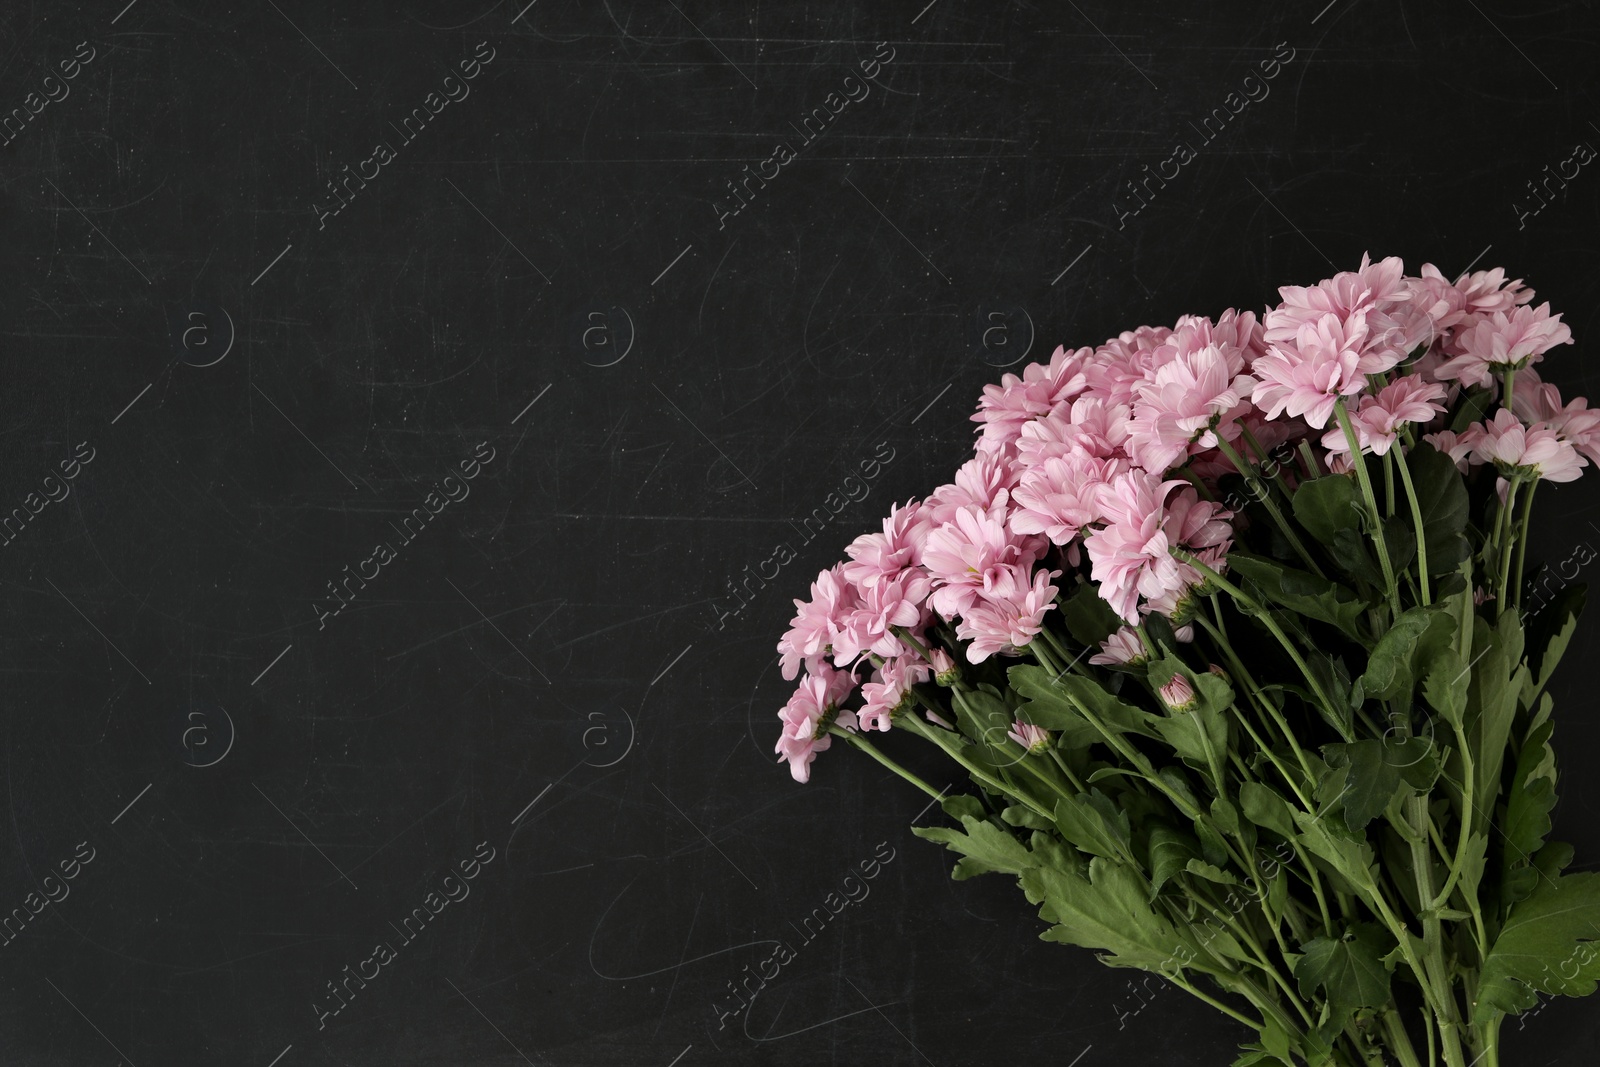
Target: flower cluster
x,y
1105,465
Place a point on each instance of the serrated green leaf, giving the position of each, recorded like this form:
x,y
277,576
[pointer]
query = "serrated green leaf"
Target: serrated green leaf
x,y
1445,686
1531,798
1547,945
962,804
1109,912
1024,816
1350,972
1299,591
983,715
983,846
1345,853
1047,706
1413,638
1094,824
1549,633
1378,772
1497,682
1200,868
1087,617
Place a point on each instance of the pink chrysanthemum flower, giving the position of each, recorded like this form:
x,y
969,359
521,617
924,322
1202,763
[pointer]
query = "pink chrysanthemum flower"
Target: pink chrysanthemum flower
x,y
877,557
984,482
1124,361
816,622
1005,624
1089,426
1306,377
1505,340
1061,497
1378,418
1472,296
1005,408
1131,556
807,716
1376,294
869,627
1536,450
890,692
1458,446
973,555
1122,648
1188,400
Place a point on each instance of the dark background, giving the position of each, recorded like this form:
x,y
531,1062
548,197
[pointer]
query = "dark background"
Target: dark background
x,y
554,638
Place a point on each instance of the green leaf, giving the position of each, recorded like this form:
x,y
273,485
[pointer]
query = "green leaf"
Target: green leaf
x,y
1088,618
1213,846
1549,633
984,847
1442,497
1547,945
1059,704
1094,824
1299,591
1175,780
1202,869
1403,652
1352,550
1498,680
1325,505
1350,972
1377,772
1445,687
963,804
1169,854
1474,406
1226,815
1345,853
1024,816
983,715
1265,807
1048,706
1107,911
1532,795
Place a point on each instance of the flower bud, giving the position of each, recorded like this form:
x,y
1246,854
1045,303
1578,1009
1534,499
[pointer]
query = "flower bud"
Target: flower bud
x,y
1031,737
1178,694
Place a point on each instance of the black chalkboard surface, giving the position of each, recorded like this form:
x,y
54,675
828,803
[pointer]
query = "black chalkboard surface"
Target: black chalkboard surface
x,y
418,419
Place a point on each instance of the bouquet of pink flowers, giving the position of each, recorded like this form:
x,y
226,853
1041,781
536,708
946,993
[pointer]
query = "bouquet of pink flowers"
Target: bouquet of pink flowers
x,y
1223,623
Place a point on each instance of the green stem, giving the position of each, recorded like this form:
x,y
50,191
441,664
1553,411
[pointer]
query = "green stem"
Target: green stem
x,y
1333,716
872,750
1264,495
1521,537
1399,1040
1486,1042
1416,519
1359,462
1507,540
1253,1024
1262,705
922,729
1416,816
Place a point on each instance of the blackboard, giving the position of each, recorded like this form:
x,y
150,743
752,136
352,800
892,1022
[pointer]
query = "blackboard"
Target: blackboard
x,y
406,404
